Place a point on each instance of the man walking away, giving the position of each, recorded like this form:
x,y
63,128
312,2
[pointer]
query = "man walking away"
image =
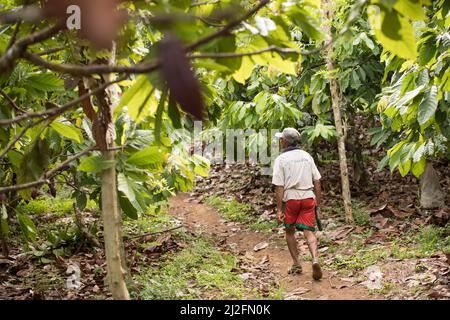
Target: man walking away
x,y
297,184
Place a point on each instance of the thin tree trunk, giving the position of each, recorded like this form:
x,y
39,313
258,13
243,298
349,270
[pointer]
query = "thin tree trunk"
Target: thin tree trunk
x,y
359,171
112,231
431,194
104,133
5,251
336,104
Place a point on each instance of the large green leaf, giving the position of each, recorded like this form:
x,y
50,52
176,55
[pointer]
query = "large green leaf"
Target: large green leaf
x,y
418,167
428,106
45,82
125,185
411,8
306,22
68,130
427,50
127,207
27,226
139,99
245,71
94,164
393,31
148,156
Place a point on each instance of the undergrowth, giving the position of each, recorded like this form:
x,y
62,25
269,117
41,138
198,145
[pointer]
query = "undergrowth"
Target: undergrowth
x,y
235,211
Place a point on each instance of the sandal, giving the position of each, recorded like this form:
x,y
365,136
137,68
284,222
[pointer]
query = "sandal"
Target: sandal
x,y
317,271
295,269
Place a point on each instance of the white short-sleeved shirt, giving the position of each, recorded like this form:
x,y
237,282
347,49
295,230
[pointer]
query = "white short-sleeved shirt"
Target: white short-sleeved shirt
x,y
295,170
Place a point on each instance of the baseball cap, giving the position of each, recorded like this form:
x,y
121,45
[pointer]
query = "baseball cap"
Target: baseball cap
x,y
290,135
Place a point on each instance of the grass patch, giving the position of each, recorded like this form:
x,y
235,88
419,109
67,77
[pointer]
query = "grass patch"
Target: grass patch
x,y
230,209
422,243
235,211
193,272
386,289
263,226
151,221
360,260
58,206
361,216
433,239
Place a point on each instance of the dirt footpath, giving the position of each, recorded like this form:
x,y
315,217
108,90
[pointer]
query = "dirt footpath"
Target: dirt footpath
x,y
201,217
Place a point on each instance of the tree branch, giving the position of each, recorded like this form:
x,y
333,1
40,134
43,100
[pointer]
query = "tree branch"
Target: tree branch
x,y
50,51
86,70
60,110
18,137
227,28
224,55
140,68
14,36
16,50
48,174
26,14
11,101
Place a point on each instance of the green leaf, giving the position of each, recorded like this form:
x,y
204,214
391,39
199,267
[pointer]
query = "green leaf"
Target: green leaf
x,y
127,207
355,83
45,82
245,71
306,22
137,98
404,168
27,226
150,155
369,43
427,51
68,130
393,31
34,161
411,8
158,116
418,167
174,113
81,200
126,186
4,227
383,163
94,164
428,106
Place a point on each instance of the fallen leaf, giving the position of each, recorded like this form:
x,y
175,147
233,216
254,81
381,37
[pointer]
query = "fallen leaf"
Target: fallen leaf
x,y
340,232
264,260
377,209
260,246
297,292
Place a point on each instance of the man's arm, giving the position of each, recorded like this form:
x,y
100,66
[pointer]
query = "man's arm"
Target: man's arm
x,y
318,193
279,192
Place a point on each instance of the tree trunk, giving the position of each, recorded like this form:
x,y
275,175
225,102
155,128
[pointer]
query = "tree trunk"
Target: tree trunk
x,y
104,134
431,194
112,231
359,171
336,105
5,251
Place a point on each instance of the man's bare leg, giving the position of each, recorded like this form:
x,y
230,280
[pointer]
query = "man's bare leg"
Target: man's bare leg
x,y
292,245
312,245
